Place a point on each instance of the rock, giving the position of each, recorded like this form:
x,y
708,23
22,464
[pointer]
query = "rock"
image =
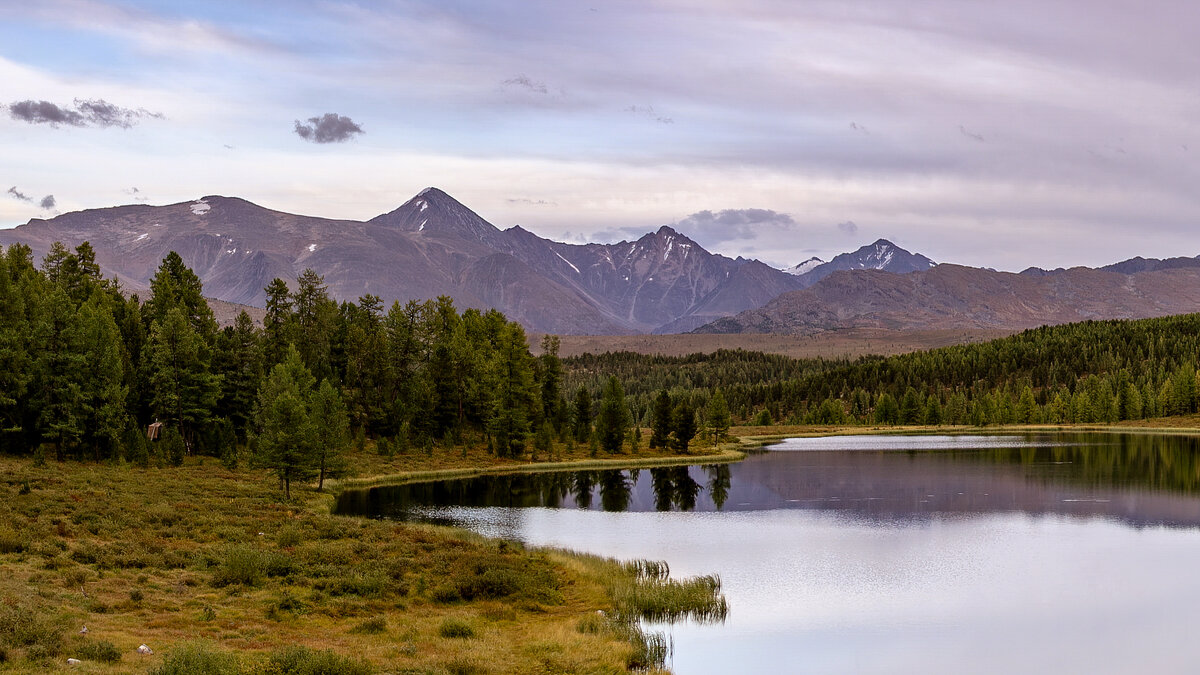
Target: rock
x,y
73,662
83,631
143,649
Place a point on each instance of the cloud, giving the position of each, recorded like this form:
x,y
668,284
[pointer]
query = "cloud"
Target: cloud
x,y
45,112
94,112
48,202
18,194
849,227
328,128
136,194
524,82
648,112
104,114
711,228
975,137
531,202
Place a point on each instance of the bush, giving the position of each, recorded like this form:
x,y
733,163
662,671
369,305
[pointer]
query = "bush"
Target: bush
x,y
373,626
241,565
289,537
305,661
197,658
12,541
456,628
102,651
173,448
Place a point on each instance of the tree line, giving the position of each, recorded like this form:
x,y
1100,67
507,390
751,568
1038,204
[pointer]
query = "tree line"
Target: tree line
x,y
1088,372
85,367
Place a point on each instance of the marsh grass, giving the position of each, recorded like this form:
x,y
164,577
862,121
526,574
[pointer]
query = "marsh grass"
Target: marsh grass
x,y
218,556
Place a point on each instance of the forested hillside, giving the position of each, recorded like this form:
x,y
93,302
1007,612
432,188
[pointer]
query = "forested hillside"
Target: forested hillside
x,y
84,369
1098,371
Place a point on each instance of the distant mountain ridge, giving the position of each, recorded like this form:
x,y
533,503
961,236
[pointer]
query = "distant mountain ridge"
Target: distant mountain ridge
x,y
431,245
881,255
957,297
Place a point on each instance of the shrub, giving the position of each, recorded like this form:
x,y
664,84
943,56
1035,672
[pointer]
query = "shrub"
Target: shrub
x,y
102,651
240,565
373,626
305,661
197,658
456,628
12,541
289,537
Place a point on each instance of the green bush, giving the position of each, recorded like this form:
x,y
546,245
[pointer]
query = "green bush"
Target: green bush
x,y
305,661
456,628
12,541
197,658
240,565
102,651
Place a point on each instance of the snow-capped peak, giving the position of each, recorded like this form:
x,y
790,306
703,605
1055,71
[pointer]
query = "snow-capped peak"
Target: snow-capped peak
x,y
806,266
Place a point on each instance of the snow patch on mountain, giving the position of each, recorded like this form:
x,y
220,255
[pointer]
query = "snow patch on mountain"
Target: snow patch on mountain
x,y
806,266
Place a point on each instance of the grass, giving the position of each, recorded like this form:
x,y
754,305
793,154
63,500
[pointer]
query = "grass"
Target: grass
x,y
212,568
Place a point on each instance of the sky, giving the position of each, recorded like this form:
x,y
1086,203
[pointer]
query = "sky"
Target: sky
x,y
996,134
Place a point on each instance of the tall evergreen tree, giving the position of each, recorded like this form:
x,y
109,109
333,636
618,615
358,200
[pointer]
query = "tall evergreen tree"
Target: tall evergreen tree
x,y
613,420
286,434
185,391
661,420
581,415
683,423
330,431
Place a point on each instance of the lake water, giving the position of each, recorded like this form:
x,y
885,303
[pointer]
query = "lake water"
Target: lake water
x,y
889,554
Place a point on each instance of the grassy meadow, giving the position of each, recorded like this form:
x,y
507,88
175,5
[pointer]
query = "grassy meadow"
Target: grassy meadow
x,y
215,572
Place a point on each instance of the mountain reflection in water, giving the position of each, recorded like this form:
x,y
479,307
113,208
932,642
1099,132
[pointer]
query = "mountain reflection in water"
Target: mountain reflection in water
x,y
1139,479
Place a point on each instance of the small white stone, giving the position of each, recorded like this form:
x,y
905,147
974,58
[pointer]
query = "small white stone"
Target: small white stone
x,y
143,649
83,631
73,662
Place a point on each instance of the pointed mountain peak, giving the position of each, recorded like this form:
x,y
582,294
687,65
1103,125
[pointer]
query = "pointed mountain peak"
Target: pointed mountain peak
x,y
432,211
883,255
806,266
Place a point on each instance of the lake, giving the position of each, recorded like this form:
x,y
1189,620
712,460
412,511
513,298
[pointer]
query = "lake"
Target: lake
x,y
888,554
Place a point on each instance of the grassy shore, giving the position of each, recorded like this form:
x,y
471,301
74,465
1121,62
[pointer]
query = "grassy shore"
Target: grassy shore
x,y
207,565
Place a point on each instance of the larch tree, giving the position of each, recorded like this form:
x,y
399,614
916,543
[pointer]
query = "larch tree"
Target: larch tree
x,y
286,433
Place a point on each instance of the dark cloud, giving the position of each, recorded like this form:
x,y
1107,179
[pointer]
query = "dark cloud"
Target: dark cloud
x,y
45,112
849,227
860,128
136,194
524,82
709,228
94,112
19,195
48,202
328,128
101,113
975,137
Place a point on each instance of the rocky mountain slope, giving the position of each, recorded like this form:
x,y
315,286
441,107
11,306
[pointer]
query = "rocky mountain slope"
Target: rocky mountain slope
x,y
882,255
956,297
431,245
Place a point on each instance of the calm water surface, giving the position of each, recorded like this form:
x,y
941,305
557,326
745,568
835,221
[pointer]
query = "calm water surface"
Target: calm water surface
x,y
933,554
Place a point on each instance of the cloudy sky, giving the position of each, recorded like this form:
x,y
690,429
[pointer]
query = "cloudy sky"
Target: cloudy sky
x,y
1000,134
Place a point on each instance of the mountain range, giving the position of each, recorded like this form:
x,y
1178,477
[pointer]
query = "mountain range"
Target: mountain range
x,y
662,282
431,245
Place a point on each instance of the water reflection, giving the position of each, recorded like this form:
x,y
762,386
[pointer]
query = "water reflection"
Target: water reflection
x,y
669,489
1140,479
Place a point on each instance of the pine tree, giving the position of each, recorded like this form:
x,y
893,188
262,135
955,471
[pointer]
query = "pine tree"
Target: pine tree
x,y
331,429
582,415
613,420
286,434
661,422
683,423
184,389
718,417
